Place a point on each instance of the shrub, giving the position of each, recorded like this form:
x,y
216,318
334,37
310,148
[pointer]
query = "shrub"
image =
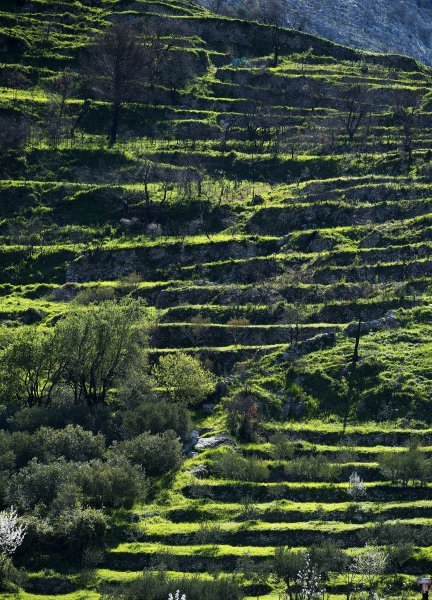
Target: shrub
x,y
310,469
405,467
157,417
244,416
37,483
94,295
111,484
158,586
10,577
156,454
283,447
80,527
231,465
72,443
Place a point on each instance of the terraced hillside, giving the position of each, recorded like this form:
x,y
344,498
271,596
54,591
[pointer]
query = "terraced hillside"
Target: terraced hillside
x,y
277,221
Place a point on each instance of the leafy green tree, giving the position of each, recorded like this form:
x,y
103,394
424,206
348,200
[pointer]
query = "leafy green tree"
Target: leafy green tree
x,y
31,366
99,345
156,416
184,378
113,484
402,468
286,565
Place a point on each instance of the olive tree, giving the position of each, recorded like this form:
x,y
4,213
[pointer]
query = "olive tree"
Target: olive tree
x,y
32,366
100,345
88,352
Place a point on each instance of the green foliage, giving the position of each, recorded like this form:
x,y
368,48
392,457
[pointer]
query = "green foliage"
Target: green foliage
x,y
157,586
405,467
231,465
234,206
184,378
310,469
87,352
10,577
157,416
155,454
73,443
113,483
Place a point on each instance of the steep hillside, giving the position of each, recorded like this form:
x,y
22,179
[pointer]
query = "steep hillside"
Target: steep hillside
x,y
401,27
277,223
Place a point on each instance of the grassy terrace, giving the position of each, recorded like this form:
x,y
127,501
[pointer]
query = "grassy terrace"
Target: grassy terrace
x,y
262,235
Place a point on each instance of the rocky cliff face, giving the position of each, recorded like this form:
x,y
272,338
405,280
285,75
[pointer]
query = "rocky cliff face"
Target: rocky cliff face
x,y
391,26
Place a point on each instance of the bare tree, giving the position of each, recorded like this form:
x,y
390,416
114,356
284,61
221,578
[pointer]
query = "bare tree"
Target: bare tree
x,y
355,106
13,135
114,67
275,13
63,87
405,115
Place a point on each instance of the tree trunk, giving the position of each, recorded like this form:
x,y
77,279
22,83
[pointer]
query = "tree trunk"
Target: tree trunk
x,y
115,123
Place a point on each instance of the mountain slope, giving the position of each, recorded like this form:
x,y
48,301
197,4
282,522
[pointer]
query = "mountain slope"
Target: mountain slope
x,y
402,27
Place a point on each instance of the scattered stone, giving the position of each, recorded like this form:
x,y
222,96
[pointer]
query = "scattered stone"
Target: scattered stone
x,y
318,342
200,472
129,222
372,240
214,441
389,321
190,444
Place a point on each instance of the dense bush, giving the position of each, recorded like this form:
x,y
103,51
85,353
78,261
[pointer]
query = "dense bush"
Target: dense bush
x,y
80,527
405,467
113,483
157,416
73,529
184,378
37,483
156,454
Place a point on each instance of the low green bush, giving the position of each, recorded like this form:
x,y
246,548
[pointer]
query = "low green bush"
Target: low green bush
x,y
158,586
310,468
230,465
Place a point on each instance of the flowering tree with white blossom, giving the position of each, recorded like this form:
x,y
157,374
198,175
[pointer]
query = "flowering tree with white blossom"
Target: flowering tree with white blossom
x,y
11,532
309,580
356,486
177,596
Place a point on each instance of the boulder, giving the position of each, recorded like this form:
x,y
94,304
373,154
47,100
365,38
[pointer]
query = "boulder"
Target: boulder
x,y
214,441
372,240
200,472
318,342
